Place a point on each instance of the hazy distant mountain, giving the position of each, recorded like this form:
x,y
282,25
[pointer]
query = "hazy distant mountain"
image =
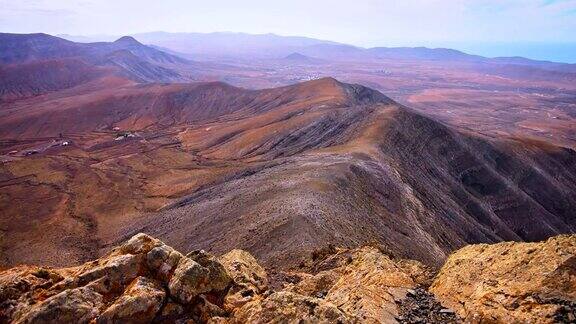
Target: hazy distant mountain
x,y
423,53
546,65
335,51
88,38
302,59
21,48
33,64
229,44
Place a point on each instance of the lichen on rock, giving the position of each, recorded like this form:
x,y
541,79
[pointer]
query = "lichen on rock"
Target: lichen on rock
x,y
512,282
144,281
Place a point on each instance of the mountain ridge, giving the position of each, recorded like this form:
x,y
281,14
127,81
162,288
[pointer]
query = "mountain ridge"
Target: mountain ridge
x,y
155,38
309,161
130,58
416,50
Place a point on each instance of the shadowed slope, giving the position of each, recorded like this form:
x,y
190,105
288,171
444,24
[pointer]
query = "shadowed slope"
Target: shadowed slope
x,y
159,105
279,172
355,173
33,64
22,48
35,78
184,138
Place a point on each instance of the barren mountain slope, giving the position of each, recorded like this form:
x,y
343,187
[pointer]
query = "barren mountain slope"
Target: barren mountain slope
x,y
23,48
33,64
35,78
279,172
378,172
126,156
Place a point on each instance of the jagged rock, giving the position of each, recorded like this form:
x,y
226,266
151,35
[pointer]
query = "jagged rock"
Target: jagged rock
x,y
217,274
129,284
288,307
364,282
370,285
139,244
171,312
21,286
191,278
204,310
78,305
15,282
188,280
145,281
163,260
120,270
248,277
421,275
139,303
317,285
511,282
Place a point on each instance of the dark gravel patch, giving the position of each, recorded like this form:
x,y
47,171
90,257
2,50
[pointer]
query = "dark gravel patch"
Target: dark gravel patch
x,y
420,306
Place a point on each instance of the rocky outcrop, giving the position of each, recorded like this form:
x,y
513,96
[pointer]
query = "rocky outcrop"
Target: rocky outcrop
x,y
511,282
139,303
139,281
360,285
368,285
249,278
144,281
288,307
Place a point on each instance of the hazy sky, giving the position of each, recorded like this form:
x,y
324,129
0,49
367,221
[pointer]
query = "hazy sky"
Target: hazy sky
x,y
359,22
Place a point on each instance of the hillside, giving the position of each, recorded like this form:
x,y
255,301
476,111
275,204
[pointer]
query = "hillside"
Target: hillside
x,y
34,64
228,44
22,48
39,77
302,59
404,180
282,171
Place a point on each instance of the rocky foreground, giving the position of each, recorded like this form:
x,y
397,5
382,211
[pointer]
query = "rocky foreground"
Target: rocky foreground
x,y
145,280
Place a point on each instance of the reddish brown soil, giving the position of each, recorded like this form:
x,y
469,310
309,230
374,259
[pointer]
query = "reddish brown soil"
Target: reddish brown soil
x,y
278,172
491,98
90,158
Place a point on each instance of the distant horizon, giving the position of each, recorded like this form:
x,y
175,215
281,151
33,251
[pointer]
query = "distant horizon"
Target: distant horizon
x,y
536,29
541,51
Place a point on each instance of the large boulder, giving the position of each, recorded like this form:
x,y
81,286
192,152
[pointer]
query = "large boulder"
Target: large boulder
x,y
78,305
197,274
511,282
130,284
139,303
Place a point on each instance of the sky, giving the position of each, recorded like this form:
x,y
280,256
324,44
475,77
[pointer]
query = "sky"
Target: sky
x,y
526,27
